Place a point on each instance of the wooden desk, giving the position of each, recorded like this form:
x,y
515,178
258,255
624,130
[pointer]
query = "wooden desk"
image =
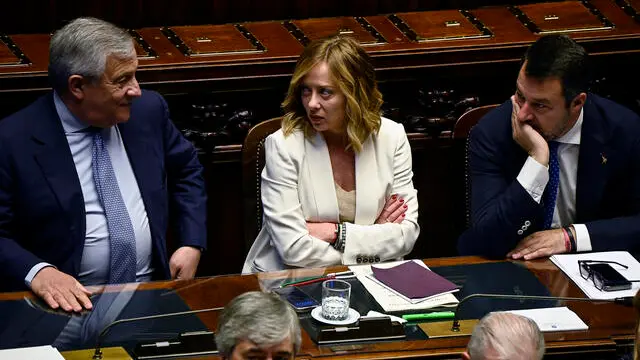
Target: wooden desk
x,y
611,327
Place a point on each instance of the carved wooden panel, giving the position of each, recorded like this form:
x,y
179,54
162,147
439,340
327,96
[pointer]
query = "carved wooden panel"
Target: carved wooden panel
x,y
312,29
631,7
440,25
143,49
561,17
206,40
10,53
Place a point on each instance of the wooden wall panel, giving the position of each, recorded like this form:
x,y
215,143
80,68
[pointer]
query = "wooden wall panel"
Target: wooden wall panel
x,y
41,16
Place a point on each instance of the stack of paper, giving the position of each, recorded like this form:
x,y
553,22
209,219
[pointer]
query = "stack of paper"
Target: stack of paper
x,y
554,319
393,301
568,263
46,352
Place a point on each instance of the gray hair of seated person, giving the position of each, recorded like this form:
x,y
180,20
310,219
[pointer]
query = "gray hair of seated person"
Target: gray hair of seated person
x,y
82,47
262,318
506,336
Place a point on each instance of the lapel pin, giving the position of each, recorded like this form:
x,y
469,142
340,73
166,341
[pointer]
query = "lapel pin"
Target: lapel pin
x,y
604,159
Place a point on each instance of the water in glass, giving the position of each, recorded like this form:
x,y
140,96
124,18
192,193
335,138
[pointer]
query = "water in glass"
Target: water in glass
x,y
335,308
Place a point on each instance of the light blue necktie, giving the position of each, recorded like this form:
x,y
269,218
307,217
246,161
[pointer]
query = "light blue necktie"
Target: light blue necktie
x,y
551,192
121,235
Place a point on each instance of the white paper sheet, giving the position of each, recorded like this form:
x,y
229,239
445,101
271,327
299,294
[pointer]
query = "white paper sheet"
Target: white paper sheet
x,y
553,319
46,352
568,263
389,300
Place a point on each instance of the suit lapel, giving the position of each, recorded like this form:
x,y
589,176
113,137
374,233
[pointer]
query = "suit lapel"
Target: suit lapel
x,y
592,163
145,165
366,184
141,157
321,176
52,153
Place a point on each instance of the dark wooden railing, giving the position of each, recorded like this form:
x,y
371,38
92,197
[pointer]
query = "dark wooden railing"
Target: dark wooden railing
x,y
222,78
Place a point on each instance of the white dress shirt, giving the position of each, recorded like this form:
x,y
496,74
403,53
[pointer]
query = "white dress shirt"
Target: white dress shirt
x,y
534,178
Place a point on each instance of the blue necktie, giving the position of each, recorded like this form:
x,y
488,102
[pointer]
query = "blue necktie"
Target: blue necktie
x,y
551,192
122,238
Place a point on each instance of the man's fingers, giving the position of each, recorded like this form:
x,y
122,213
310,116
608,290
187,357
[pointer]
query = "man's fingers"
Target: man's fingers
x,y
60,299
72,300
84,300
538,253
520,247
173,268
187,274
523,248
176,272
48,298
83,289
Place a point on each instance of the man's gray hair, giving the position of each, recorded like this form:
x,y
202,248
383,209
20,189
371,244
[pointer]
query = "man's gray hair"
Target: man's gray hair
x,y
506,336
262,318
81,48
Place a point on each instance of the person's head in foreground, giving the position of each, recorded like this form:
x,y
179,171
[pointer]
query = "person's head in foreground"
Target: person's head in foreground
x,y
505,336
92,66
257,325
552,85
334,91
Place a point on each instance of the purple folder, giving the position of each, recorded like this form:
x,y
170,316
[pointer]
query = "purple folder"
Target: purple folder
x,y
413,280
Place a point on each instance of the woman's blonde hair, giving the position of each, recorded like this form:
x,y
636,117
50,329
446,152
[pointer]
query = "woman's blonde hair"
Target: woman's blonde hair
x,y
350,68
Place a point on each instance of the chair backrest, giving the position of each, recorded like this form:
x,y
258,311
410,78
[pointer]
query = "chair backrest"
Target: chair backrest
x,y
252,164
461,131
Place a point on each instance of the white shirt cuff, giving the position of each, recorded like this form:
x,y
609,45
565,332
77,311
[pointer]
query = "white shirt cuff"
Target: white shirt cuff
x,y
534,178
583,241
34,271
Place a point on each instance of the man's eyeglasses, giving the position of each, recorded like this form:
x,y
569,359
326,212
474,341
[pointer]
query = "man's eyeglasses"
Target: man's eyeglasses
x,y
587,272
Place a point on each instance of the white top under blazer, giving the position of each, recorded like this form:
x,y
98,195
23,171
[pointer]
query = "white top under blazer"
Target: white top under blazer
x,y
298,186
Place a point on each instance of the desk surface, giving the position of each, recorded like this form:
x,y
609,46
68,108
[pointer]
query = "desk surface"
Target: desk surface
x,y
611,327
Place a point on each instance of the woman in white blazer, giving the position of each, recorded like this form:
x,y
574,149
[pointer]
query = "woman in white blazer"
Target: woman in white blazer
x,y
337,183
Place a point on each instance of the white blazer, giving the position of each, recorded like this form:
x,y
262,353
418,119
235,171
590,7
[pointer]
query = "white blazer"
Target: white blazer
x,y
298,186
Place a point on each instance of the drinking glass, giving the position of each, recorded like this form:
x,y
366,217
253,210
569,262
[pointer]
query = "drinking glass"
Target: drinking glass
x,y
336,297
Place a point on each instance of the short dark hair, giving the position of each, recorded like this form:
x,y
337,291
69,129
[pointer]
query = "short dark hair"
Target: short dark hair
x,y
559,56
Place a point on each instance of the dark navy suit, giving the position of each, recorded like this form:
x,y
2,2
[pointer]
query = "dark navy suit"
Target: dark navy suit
x,y
607,189
42,212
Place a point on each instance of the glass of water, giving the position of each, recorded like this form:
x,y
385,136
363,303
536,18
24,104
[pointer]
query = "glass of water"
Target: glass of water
x,y
336,297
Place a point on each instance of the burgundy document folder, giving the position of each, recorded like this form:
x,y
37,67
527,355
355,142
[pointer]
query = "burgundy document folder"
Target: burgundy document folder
x,y
413,280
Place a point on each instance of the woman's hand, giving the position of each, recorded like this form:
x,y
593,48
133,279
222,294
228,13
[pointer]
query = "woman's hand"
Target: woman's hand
x,y
323,231
393,211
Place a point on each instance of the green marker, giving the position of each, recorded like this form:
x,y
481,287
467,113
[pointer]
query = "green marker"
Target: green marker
x,y
299,280
441,315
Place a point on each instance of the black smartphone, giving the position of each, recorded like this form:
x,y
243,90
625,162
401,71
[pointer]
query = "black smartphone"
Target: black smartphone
x,y
611,279
300,300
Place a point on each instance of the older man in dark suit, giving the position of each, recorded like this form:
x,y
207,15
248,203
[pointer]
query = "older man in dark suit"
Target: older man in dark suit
x,y
88,174
555,169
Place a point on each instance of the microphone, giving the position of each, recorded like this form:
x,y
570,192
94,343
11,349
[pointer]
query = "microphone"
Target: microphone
x,y
465,327
97,354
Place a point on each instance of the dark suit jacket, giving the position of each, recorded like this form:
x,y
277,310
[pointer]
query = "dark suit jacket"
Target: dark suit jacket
x,y
607,189
42,213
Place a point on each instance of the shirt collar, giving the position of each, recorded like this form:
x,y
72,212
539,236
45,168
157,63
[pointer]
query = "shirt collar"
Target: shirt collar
x,y
573,135
70,123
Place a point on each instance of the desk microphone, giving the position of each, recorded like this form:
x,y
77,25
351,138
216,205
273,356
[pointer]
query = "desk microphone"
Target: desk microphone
x,y
440,330
98,351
